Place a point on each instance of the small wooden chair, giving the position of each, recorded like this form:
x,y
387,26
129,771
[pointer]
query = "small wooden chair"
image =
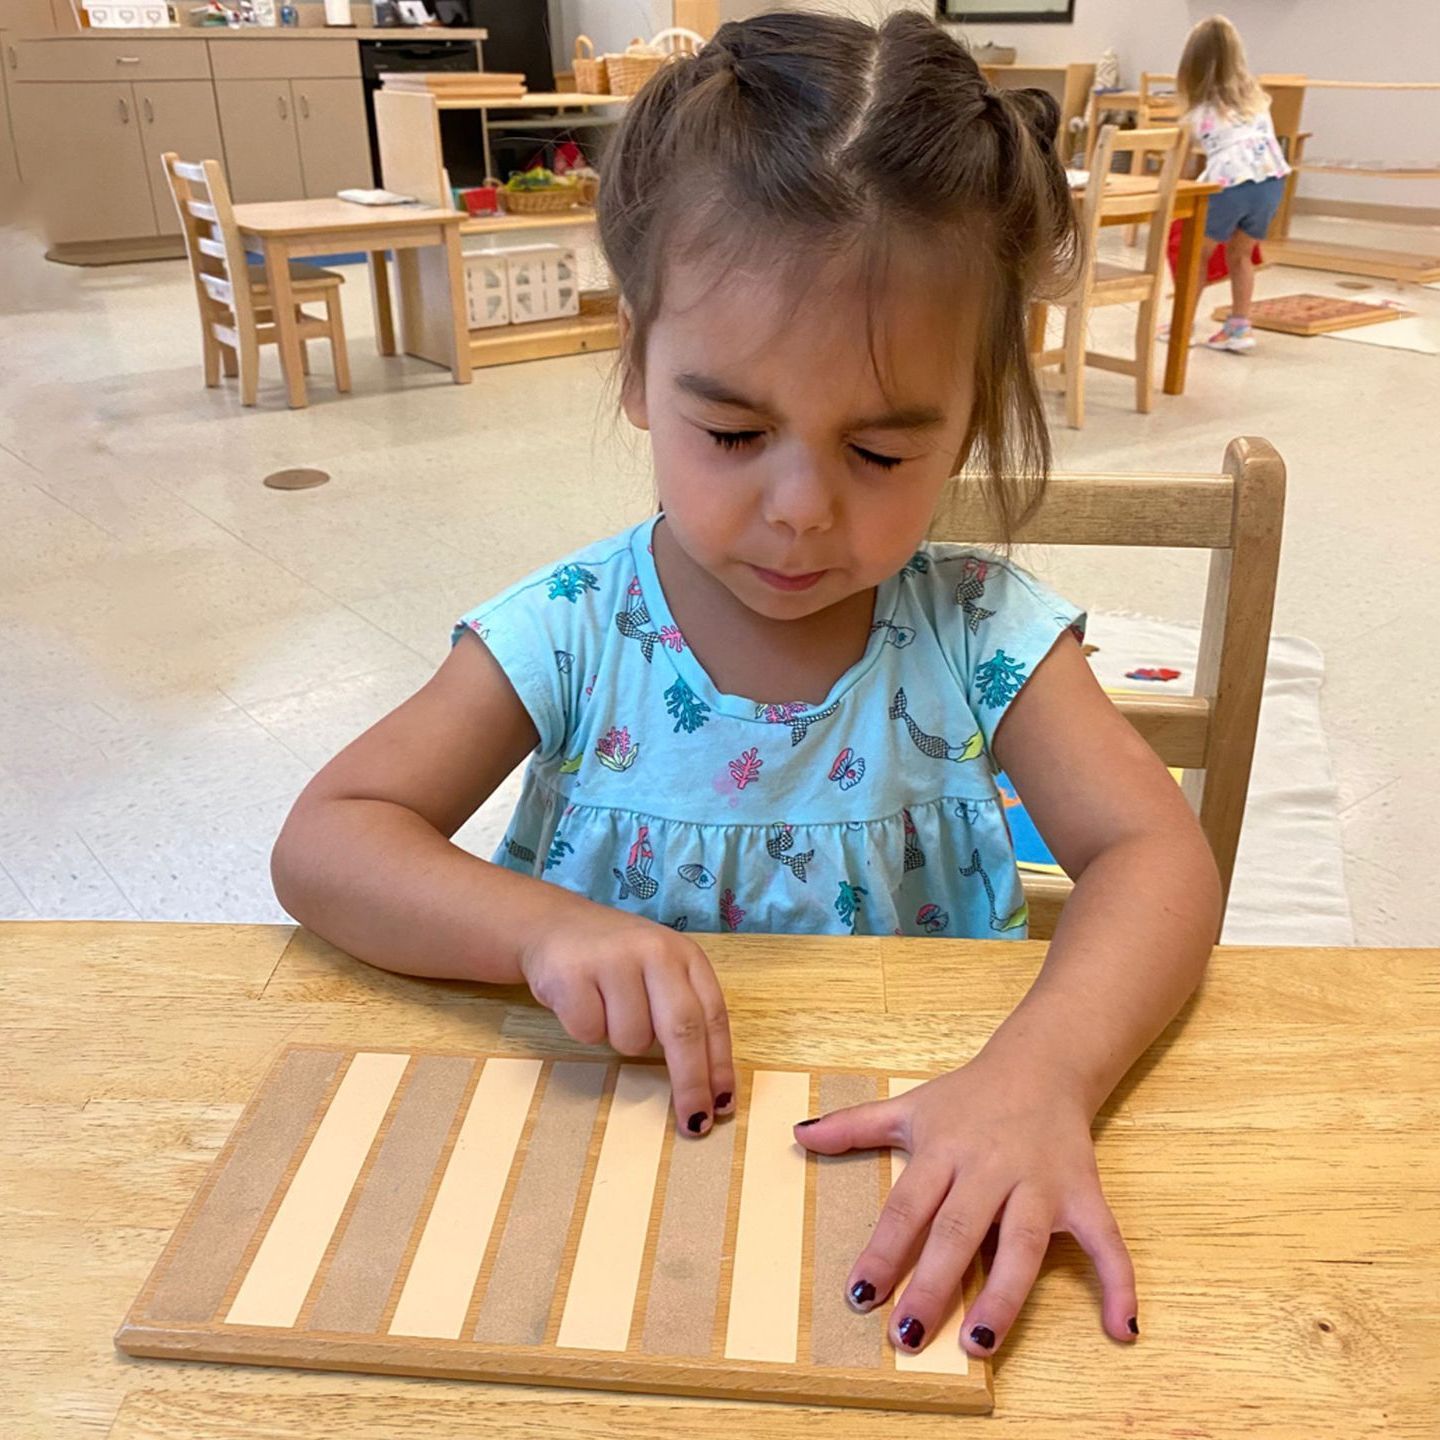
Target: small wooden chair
x,y
235,315
1159,106
677,40
1100,283
1238,517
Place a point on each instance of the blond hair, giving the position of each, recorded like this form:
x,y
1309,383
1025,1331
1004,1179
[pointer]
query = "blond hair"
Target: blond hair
x,y
1213,72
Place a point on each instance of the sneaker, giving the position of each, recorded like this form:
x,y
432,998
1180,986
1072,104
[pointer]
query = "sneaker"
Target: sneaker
x,y
1237,340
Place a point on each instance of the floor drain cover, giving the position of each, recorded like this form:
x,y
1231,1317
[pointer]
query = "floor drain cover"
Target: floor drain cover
x,y
296,479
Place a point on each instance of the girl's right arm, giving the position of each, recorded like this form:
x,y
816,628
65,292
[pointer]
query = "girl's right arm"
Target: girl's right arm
x,y
365,860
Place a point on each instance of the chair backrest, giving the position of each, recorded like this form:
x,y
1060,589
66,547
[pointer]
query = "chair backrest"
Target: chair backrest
x,y
1159,204
1237,516
677,40
1159,104
212,240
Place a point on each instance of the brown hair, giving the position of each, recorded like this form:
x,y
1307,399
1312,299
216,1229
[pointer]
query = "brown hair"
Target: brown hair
x,y
1213,72
814,135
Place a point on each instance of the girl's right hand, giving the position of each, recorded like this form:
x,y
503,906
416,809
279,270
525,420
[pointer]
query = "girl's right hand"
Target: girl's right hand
x,y
611,976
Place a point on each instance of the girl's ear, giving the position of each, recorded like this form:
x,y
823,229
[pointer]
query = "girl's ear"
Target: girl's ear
x,y
632,375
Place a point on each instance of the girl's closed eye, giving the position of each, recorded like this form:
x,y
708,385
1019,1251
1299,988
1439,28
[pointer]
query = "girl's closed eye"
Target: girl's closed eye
x,y
741,439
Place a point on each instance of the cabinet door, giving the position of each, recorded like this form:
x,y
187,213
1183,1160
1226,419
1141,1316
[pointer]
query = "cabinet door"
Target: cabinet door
x,y
262,153
176,115
80,145
334,141
9,165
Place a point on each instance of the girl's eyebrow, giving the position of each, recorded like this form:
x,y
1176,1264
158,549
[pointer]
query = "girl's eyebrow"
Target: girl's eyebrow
x,y
913,417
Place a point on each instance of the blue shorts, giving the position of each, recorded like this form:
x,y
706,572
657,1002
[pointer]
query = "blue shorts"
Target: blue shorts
x,y
1249,206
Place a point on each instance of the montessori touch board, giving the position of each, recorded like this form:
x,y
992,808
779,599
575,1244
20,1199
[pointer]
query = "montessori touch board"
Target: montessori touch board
x,y
539,1220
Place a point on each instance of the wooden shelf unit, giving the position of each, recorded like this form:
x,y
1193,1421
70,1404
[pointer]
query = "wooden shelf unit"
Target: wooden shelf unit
x,y
412,162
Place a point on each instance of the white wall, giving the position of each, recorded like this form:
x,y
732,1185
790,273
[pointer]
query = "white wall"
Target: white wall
x,y
1328,39
611,24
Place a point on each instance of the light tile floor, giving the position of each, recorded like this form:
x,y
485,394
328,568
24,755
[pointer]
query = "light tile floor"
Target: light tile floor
x,y
180,647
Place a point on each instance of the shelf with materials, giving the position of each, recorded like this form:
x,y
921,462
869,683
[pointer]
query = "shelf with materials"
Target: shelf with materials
x,y
492,116
413,162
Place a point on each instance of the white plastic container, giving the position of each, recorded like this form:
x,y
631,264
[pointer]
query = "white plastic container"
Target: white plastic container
x,y
544,283
487,289
129,14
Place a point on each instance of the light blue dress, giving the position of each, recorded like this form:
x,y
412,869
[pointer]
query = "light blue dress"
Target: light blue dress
x,y
874,812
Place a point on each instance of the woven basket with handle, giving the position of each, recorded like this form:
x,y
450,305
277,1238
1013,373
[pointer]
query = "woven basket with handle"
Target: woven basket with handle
x,y
592,73
630,71
540,202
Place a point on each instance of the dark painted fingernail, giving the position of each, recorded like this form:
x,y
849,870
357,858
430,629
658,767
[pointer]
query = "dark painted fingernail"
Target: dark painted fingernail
x,y
804,1123
984,1337
1134,1325
722,1101
696,1122
911,1332
862,1293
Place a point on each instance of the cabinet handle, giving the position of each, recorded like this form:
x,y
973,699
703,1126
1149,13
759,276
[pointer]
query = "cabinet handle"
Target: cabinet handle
x,y
305,107
149,111
284,108
12,57
124,113
127,59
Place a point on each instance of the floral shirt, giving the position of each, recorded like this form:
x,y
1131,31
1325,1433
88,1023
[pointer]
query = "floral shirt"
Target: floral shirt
x,y
873,812
1237,150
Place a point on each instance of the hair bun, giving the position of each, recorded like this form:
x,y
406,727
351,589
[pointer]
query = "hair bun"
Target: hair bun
x,y
1039,112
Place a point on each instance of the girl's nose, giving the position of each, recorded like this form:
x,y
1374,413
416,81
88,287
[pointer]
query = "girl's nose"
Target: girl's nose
x,y
799,497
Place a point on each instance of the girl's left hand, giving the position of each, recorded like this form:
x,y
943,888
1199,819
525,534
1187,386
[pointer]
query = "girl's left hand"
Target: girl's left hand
x,y
990,1142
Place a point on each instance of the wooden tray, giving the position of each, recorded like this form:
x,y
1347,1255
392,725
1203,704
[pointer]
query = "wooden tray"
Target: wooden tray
x,y
1314,314
522,1219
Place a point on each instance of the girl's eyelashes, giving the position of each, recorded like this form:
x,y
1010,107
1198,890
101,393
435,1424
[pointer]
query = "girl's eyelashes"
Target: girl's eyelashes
x,y
734,439
739,439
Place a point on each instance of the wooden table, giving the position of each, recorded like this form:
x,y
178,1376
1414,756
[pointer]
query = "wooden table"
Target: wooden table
x,y
286,230
1192,201
1272,1162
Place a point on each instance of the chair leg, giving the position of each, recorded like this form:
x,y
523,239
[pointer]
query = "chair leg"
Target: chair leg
x,y
1075,366
339,355
1145,356
229,361
211,348
249,361
304,345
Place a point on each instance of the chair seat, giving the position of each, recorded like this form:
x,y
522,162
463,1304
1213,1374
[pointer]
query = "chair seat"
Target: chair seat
x,y
306,280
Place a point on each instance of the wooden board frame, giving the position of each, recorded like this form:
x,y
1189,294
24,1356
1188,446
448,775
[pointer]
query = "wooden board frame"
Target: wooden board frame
x,y
210,1339
1268,314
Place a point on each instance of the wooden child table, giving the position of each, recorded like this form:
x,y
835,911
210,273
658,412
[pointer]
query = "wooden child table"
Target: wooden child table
x,y
1272,1161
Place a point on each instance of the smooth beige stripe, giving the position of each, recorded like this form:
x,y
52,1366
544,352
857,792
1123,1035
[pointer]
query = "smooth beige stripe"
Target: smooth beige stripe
x,y
601,1300
447,1260
769,1243
943,1355
279,1278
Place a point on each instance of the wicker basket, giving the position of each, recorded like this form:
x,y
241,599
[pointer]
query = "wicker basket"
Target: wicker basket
x,y
630,71
540,202
592,73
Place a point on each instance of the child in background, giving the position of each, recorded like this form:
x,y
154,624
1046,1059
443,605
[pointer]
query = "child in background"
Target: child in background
x,y
774,706
1229,114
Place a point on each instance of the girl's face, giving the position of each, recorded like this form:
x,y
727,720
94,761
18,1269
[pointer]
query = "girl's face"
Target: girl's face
x,y
785,468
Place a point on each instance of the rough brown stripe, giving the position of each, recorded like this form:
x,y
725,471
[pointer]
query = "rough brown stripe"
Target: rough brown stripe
x,y
685,1280
204,1263
358,1284
517,1300
845,1214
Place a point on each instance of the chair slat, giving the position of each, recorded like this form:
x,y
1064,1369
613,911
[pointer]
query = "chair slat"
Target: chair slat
x,y
1046,896
1187,512
195,174
219,289
1176,727
214,248
201,210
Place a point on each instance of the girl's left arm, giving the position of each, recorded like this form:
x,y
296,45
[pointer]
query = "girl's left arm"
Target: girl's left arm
x,y
1007,1137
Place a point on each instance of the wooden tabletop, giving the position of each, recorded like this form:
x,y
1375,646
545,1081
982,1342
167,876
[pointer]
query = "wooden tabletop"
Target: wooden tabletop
x,y
1272,1161
314,217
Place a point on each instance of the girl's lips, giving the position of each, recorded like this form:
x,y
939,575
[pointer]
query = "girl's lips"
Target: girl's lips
x,y
778,581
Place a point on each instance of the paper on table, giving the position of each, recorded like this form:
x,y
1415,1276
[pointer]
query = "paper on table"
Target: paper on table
x,y
375,197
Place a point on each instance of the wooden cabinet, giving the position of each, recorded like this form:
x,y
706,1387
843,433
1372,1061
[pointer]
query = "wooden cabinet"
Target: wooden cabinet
x,y
334,141
262,148
9,159
81,150
176,115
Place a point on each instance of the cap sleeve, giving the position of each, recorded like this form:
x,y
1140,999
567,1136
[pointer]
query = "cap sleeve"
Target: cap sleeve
x,y
534,631
1009,622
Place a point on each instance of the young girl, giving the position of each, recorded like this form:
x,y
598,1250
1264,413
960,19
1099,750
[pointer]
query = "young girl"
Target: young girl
x,y
1230,116
773,706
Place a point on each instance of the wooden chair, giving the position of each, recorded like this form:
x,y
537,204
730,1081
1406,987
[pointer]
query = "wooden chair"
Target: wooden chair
x,y
1159,105
1100,283
235,312
1238,517
677,40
